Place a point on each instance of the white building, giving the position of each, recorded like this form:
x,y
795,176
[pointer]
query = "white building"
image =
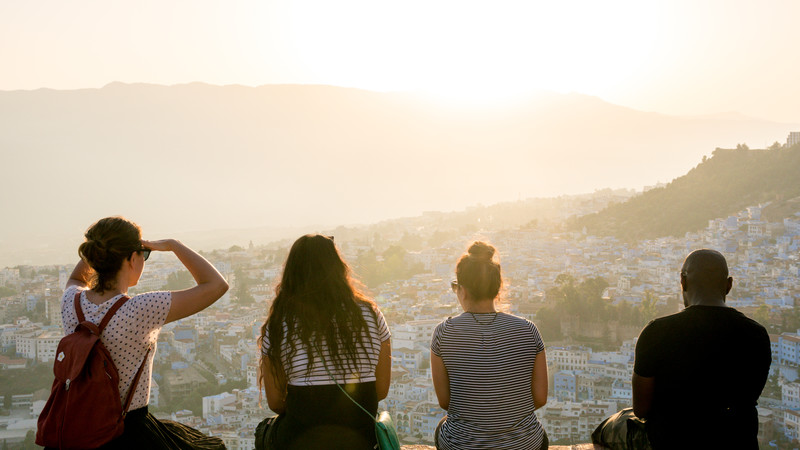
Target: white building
x,y
216,403
793,138
568,358
40,346
790,395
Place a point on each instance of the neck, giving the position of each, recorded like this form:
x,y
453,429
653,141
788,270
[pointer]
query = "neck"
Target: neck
x,y
700,300
119,287
485,306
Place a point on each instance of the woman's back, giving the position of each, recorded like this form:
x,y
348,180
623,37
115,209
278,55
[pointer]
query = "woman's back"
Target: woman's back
x,y
300,372
322,331
317,414
489,359
132,330
112,261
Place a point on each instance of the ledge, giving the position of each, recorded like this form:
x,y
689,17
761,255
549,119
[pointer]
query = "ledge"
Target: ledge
x,y
552,447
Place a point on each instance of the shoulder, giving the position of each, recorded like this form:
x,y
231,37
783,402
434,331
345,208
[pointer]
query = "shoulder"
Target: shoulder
x,y
371,313
448,323
70,291
752,328
657,328
515,320
368,307
152,297
150,308
748,322
670,321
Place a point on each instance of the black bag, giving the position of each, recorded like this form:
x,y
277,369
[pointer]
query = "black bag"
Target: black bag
x,y
264,433
622,431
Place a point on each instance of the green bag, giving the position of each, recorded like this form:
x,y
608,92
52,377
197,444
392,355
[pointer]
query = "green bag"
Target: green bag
x,y
385,432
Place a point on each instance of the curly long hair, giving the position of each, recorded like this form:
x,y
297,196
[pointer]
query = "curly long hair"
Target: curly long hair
x,y
318,303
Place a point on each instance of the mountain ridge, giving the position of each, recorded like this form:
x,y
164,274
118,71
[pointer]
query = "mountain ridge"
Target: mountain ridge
x,y
718,187
201,156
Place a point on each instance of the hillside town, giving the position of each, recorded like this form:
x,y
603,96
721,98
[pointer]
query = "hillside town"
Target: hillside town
x,y
205,372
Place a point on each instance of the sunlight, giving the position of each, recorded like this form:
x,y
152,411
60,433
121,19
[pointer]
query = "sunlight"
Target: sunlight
x,y
467,52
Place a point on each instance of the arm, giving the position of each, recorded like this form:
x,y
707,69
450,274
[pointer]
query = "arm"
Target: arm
x,y
276,393
80,275
441,381
643,389
210,284
539,383
383,371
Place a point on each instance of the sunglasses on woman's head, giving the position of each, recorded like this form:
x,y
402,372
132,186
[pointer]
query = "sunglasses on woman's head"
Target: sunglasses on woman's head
x,y
454,286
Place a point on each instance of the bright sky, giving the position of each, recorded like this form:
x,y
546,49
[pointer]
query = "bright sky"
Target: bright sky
x,y
670,56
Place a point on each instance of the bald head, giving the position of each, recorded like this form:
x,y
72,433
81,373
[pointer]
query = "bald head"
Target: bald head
x,y
704,278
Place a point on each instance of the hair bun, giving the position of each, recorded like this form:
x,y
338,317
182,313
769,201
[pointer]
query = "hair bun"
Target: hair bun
x,y
94,252
481,250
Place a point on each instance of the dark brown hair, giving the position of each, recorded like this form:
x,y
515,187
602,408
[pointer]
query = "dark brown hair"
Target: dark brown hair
x,y
479,272
317,302
108,243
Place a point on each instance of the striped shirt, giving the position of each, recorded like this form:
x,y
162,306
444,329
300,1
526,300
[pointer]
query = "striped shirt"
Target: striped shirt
x,y
297,372
489,359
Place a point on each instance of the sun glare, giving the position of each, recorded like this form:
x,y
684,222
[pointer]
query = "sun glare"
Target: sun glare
x,y
472,52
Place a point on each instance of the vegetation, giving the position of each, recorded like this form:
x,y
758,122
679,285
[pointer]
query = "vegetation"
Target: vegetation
x,y
582,302
719,186
25,381
194,400
242,287
181,279
6,291
30,441
393,265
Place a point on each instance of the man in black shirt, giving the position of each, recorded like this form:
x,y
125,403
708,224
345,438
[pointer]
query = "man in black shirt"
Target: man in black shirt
x,y
698,373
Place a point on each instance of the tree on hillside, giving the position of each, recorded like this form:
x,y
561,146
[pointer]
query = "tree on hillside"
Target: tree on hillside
x,y
393,265
181,279
762,316
29,442
242,289
6,291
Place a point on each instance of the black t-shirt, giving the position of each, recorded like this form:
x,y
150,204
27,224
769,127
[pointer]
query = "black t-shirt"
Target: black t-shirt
x,y
710,364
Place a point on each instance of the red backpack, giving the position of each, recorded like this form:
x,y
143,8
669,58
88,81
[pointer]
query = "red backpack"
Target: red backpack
x,y
84,409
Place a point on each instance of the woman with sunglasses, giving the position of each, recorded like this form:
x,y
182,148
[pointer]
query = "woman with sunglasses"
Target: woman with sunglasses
x,y
322,331
489,368
112,260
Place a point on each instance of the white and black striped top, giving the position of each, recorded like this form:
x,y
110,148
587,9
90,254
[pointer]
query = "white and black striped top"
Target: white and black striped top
x,y
489,359
296,369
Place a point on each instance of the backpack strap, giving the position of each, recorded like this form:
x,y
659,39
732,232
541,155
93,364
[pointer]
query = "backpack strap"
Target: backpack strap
x,y
134,383
78,309
111,312
106,318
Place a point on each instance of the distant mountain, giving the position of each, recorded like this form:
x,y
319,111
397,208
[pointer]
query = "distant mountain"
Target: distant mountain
x,y
199,157
718,187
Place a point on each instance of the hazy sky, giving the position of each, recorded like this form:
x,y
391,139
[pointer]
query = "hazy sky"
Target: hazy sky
x,y
677,57
671,56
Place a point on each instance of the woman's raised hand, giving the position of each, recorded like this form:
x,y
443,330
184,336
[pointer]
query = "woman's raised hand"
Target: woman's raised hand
x,y
162,245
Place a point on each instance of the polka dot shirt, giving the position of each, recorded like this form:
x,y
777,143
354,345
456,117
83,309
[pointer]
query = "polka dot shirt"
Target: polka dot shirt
x,y
133,328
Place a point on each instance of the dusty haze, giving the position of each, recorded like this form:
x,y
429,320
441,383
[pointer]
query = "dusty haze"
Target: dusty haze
x,y
200,157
